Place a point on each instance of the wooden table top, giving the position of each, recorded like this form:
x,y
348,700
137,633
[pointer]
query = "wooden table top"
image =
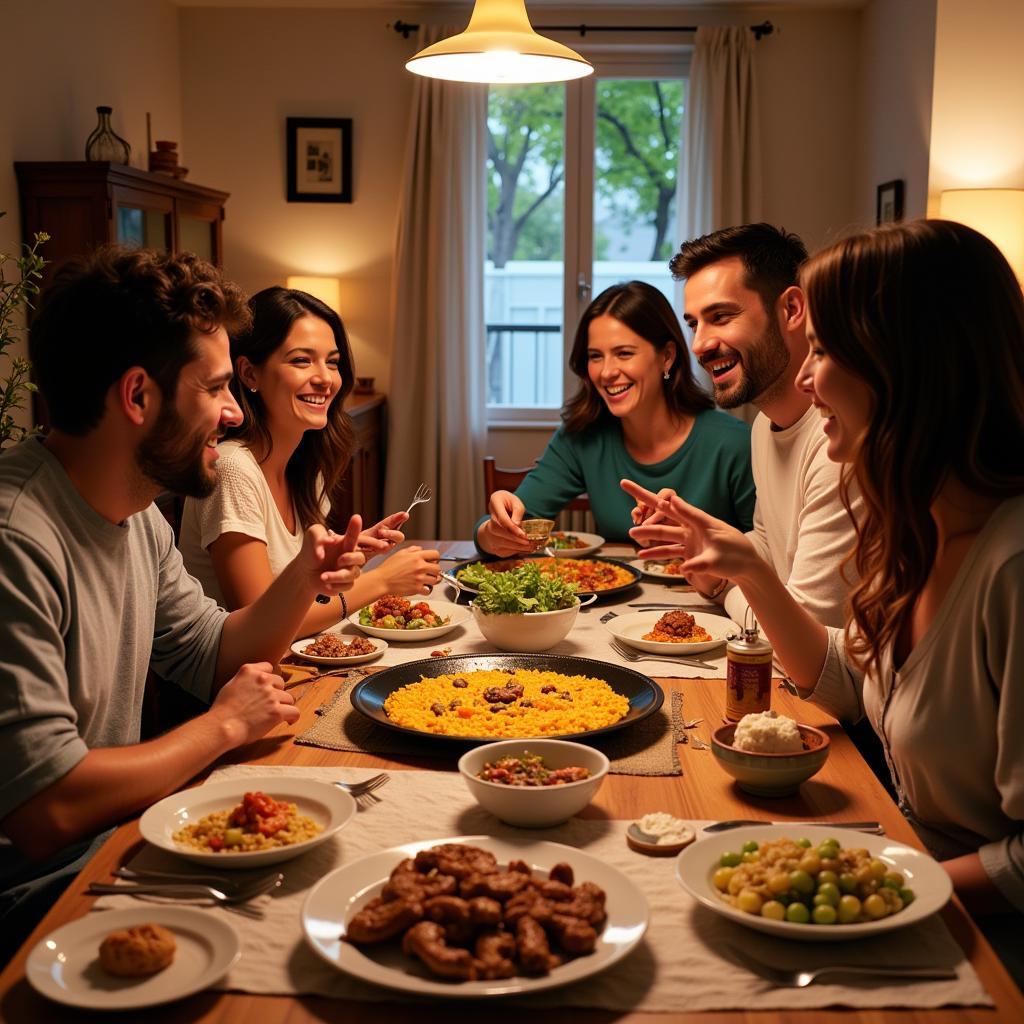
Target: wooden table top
x,y
844,789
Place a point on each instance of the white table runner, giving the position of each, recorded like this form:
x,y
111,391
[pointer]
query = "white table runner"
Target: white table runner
x,y
675,968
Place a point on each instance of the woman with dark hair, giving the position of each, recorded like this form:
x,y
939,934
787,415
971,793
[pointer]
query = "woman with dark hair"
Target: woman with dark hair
x,y
276,472
638,412
916,363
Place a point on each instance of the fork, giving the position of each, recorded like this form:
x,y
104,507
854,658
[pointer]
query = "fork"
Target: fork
x,y
801,979
624,652
423,493
226,885
363,792
187,890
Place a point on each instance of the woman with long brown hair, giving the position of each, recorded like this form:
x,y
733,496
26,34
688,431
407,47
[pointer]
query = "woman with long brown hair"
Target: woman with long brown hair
x,y
916,363
276,472
638,412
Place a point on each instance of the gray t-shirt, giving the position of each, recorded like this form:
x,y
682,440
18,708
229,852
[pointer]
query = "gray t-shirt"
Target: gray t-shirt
x,y
86,608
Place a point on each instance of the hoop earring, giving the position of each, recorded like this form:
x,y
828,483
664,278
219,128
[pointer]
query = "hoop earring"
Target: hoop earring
x,y
253,390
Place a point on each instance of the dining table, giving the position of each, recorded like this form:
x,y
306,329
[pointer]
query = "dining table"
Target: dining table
x,y
845,789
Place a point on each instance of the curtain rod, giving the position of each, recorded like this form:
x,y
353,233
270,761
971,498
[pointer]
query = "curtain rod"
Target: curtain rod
x,y
766,28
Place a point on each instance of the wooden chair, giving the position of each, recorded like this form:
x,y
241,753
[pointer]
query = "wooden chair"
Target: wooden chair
x,y
497,478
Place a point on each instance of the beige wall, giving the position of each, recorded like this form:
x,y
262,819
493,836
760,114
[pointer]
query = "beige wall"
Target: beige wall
x,y
244,71
897,58
62,59
977,134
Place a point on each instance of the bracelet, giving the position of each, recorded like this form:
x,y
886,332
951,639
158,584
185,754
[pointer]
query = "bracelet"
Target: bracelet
x,y
722,584
326,599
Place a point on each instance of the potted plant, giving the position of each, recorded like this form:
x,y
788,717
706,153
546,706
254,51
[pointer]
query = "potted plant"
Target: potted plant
x,y
15,293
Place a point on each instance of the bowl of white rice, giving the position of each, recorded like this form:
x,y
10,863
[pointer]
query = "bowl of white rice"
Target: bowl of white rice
x,y
769,754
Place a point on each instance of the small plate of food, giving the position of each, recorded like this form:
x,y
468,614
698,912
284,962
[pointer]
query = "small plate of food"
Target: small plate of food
x,y
247,822
400,944
334,649
399,619
669,570
563,544
830,891
677,631
128,959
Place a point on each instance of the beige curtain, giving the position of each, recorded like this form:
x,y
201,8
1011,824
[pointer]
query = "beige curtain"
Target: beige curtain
x,y
722,163
437,400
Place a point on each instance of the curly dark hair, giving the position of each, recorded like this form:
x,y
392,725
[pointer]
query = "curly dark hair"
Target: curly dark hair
x,y
319,462
645,311
930,317
771,257
116,308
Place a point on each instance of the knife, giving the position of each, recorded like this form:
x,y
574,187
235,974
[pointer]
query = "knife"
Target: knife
x,y
860,826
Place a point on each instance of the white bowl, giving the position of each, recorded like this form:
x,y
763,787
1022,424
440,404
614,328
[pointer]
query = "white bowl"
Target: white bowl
x,y
456,614
327,805
525,631
592,544
534,806
630,629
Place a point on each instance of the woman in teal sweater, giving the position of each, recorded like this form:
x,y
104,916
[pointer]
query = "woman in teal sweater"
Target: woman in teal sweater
x,y
638,413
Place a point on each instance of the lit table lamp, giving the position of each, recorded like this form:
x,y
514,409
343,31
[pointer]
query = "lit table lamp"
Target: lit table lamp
x,y
326,289
998,213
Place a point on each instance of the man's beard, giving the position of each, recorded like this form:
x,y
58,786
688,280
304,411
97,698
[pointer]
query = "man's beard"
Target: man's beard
x,y
762,366
172,457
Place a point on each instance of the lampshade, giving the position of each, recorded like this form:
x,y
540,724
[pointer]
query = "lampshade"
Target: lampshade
x,y
326,289
998,213
499,46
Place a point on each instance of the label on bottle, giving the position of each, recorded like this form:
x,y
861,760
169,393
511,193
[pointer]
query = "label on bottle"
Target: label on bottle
x,y
748,682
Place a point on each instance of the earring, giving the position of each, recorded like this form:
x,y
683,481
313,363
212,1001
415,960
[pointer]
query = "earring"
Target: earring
x,y
664,376
253,390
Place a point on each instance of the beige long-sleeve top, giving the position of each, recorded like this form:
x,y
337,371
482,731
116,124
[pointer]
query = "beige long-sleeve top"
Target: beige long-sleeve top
x,y
800,525
951,718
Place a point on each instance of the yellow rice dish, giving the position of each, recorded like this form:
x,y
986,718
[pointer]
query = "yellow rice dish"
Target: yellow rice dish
x,y
259,822
491,703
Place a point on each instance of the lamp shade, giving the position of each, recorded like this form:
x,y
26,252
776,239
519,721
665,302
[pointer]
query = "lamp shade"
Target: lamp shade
x,y
500,47
326,289
998,213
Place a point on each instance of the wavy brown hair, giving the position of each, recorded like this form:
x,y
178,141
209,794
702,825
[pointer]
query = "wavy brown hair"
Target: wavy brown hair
x,y
322,456
119,307
930,316
645,311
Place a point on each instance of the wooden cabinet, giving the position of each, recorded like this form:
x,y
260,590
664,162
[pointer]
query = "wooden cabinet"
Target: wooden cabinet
x,y
362,488
81,204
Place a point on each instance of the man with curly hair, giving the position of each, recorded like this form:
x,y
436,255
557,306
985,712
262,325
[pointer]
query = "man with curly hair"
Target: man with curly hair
x,y
131,352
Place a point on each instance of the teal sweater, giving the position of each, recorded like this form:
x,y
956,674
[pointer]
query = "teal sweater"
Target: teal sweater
x,y
711,470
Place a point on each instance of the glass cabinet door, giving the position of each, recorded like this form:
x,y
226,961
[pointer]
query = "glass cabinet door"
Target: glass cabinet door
x,y
142,219
199,229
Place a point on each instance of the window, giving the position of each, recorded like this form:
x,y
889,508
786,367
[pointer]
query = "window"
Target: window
x,y
582,192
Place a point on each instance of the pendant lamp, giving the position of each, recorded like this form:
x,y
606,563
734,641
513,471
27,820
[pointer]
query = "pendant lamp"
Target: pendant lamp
x,y
499,46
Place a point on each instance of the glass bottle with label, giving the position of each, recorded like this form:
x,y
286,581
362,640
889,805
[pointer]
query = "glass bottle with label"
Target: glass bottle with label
x,y
748,659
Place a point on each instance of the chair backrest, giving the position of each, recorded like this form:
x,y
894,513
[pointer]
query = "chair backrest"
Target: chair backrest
x,y
498,478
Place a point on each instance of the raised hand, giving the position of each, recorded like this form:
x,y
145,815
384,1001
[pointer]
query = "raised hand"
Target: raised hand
x,y
712,549
332,559
501,534
383,536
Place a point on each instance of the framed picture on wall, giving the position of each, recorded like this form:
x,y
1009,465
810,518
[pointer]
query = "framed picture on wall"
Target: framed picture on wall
x,y
889,202
319,159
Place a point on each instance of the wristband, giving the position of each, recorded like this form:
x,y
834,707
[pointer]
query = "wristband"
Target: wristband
x,y
326,599
721,585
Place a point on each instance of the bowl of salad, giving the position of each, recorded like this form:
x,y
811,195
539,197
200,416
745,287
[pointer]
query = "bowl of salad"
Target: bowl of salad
x,y
397,618
524,610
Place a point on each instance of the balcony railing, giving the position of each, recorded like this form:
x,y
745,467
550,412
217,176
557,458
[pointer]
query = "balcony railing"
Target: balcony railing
x,y
524,365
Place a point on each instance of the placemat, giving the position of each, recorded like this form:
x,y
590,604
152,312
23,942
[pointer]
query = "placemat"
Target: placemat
x,y
646,748
677,965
